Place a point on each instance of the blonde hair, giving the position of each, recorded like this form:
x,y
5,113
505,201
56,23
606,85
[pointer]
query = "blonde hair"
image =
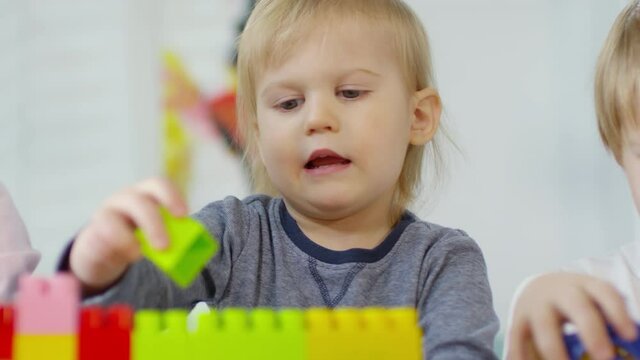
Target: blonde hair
x,y
276,27
617,77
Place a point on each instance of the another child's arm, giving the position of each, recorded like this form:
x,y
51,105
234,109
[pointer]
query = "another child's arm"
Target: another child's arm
x,y
550,300
105,248
16,255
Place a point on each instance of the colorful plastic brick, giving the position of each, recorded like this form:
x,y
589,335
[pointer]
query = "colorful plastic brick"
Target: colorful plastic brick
x,y
404,333
291,338
377,325
349,339
321,328
38,347
105,334
624,349
206,340
6,332
47,306
161,336
191,246
234,336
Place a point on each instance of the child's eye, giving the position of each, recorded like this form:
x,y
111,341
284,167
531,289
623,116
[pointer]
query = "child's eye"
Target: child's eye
x,y
350,94
289,105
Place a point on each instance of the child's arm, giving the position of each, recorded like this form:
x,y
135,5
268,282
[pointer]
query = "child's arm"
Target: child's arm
x,y
105,248
550,300
16,255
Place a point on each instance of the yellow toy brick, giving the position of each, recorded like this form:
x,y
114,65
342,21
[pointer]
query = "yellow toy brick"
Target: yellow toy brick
x,y
377,325
349,336
405,334
320,334
39,347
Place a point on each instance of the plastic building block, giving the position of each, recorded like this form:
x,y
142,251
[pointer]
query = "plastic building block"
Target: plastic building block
x,y
349,341
234,335
47,306
161,336
105,334
320,331
38,347
206,339
404,333
377,334
6,332
624,349
191,246
291,338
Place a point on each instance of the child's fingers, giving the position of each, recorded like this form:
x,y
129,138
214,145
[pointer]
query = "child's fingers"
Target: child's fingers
x,y
546,328
142,211
585,315
166,194
615,310
116,237
520,346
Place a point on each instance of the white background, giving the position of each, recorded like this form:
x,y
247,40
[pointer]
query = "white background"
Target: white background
x,y
79,118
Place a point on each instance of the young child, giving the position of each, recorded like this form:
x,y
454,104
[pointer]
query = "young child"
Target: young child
x,y
16,255
337,103
610,292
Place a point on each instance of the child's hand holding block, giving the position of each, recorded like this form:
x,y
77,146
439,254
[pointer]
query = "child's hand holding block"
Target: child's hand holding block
x,y
190,248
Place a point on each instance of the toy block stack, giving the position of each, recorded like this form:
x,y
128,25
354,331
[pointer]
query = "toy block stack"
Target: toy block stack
x,y
46,322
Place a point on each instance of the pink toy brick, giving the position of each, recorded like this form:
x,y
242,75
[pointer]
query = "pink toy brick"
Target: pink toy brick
x,y
47,306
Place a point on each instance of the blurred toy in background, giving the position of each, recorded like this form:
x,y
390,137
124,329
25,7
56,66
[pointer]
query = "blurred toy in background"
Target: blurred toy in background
x,y
186,106
176,144
208,115
624,350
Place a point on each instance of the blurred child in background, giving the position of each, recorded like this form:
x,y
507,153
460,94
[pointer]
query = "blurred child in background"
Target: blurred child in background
x,y
605,290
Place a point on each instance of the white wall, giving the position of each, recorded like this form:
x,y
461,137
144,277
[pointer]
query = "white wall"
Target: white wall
x,y
79,90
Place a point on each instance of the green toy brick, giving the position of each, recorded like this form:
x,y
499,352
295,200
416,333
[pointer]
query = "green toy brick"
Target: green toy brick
x,y
190,248
292,343
161,335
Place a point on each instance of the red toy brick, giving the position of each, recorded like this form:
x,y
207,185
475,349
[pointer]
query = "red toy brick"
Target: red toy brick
x,y
6,332
105,334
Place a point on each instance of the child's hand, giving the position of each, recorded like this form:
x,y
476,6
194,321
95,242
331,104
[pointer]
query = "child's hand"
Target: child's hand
x,y
553,299
107,246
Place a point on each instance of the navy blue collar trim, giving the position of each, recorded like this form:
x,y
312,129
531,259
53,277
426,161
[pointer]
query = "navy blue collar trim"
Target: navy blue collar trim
x,y
346,256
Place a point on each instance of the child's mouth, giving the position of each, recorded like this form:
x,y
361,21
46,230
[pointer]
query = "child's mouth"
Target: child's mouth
x,y
325,160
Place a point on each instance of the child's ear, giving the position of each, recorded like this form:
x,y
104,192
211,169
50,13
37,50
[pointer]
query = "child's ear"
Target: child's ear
x,y
426,116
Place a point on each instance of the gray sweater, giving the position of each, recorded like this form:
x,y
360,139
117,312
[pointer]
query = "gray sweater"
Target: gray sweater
x,y
265,260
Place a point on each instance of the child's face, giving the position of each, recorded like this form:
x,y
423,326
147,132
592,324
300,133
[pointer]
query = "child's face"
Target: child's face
x,y
335,121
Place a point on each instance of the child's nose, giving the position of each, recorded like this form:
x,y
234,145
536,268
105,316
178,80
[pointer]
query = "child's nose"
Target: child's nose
x,y
322,116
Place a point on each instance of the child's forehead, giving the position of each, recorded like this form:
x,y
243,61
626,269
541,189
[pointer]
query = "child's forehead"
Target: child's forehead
x,y
332,39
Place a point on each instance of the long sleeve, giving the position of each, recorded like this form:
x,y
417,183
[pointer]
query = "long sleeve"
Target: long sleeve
x,y
456,310
16,255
